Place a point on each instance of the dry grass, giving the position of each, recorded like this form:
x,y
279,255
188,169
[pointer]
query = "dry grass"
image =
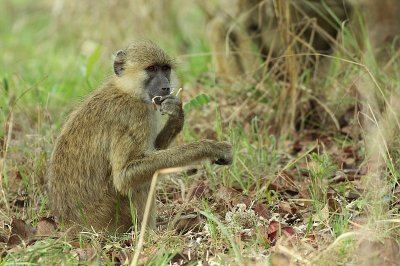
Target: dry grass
x,y
324,192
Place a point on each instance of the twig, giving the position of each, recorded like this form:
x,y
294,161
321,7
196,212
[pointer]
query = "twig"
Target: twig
x,y
178,91
146,214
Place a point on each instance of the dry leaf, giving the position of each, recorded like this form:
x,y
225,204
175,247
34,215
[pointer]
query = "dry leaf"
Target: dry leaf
x,y
46,227
274,228
232,197
262,210
20,231
85,254
285,207
201,190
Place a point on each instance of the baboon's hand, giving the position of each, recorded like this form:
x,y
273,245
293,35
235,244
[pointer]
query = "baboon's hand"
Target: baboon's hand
x,y
171,105
223,152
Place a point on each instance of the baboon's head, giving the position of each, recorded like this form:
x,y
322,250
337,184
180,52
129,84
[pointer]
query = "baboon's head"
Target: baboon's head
x,y
144,69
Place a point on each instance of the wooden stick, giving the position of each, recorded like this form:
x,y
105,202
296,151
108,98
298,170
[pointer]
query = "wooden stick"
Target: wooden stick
x,y
143,226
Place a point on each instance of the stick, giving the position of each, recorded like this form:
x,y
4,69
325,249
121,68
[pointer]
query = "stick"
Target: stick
x,y
143,226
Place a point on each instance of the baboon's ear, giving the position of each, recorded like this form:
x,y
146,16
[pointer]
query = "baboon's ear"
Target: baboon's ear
x,y
119,62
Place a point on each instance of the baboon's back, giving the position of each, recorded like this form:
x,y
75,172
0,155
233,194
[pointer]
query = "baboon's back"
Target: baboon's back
x,y
80,179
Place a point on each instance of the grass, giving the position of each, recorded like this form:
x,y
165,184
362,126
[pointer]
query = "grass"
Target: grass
x,y
315,195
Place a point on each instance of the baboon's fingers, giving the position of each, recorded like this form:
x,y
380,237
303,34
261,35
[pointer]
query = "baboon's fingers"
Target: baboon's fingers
x,y
223,161
171,106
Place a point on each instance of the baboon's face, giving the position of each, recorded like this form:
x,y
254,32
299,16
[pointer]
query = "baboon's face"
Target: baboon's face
x,y
158,81
146,70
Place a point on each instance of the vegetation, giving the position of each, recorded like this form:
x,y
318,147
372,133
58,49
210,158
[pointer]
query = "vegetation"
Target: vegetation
x,y
322,192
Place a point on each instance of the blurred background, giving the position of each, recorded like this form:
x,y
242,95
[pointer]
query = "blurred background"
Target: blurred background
x,y
279,57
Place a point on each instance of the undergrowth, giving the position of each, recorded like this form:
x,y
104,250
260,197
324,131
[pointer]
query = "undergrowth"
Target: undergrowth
x,y
325,192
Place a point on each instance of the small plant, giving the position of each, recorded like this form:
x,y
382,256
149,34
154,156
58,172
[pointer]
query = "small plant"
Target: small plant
x,y
197,102
320,170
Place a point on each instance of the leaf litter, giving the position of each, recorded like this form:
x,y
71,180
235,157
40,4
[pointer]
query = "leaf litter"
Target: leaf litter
x,y
284,219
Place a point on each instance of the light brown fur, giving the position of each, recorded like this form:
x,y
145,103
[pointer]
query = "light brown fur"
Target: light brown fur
x,y
110,147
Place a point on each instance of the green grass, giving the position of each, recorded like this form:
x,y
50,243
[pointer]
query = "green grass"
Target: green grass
x,y
46,70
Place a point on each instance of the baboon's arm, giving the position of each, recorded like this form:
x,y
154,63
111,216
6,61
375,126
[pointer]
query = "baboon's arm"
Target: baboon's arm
x,y
138,171
172,128
172,106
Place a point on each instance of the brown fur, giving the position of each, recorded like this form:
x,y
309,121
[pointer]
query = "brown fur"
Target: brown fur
x,y
111,146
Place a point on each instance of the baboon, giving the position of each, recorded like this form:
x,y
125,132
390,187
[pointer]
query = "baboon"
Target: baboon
x,y
112,144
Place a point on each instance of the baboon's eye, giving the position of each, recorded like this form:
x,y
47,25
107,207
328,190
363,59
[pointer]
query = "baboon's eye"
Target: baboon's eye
x,y
152,68
165,68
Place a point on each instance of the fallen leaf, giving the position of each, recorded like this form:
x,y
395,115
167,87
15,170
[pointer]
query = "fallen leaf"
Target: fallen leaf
x,y
288,231
310,237
232,197
276,229
20,231
285,207
75,244
85,254
261,210
46,227
201,190
284,183
272,227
